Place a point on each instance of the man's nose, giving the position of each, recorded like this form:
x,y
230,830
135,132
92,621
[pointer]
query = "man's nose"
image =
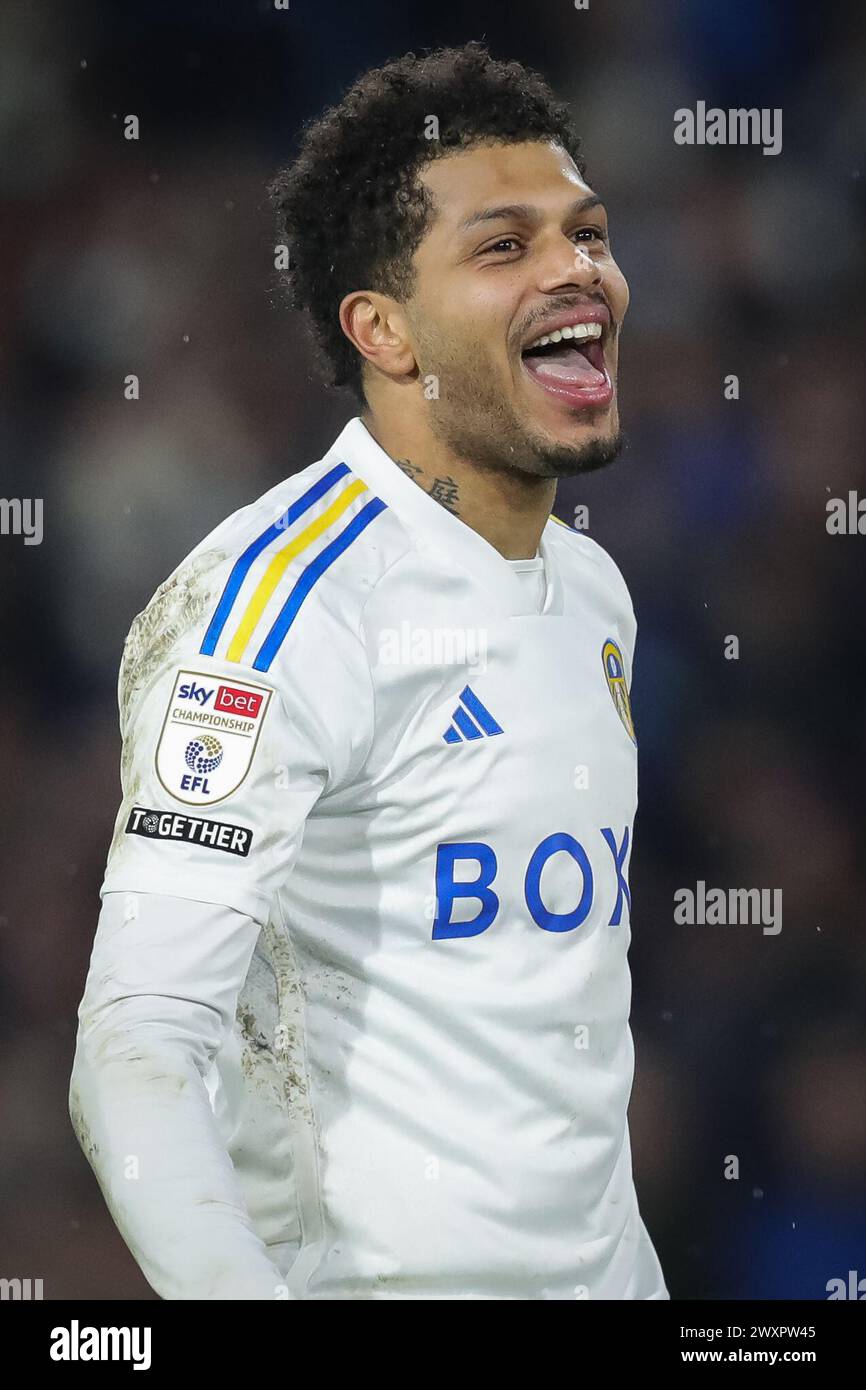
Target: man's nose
x,y
568,266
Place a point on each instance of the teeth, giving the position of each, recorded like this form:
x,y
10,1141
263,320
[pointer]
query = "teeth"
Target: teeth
x,y
578,330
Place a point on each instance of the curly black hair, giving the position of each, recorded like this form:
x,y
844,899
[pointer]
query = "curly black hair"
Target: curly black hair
x,y
350,207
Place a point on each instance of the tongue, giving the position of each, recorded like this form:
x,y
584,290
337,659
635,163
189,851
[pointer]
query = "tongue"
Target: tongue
x,y
566,364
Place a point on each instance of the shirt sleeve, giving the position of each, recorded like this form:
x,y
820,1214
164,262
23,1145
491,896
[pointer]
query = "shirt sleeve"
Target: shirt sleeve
x,y
158,1003
221,766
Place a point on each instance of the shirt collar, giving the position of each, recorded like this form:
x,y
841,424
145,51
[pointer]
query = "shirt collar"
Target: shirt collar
x,y
435,527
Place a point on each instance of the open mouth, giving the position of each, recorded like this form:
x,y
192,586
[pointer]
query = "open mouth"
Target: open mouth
x,y
569,364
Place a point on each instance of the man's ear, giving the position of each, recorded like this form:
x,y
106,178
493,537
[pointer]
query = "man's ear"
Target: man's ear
x,y
377,327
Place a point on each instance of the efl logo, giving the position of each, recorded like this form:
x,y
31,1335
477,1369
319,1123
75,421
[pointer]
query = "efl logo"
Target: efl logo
x,y
233,701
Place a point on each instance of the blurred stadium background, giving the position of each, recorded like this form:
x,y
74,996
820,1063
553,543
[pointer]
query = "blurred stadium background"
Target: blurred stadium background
x,y
156,257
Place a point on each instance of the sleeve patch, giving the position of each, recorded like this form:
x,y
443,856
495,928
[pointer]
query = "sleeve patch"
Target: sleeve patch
x,y
209,736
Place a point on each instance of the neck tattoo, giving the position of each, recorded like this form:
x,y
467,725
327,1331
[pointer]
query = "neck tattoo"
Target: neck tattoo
x,y
442,490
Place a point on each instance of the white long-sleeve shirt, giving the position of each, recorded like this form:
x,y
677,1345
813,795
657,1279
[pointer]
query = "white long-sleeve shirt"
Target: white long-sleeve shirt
x,y
392,1059
158,1006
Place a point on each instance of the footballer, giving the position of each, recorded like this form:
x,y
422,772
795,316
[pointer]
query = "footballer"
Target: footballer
x,y
356,1023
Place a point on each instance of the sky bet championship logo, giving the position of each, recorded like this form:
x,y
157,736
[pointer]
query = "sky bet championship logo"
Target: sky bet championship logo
x,y
209,736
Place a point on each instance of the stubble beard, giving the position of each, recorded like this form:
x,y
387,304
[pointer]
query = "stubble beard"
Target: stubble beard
x,y
473,422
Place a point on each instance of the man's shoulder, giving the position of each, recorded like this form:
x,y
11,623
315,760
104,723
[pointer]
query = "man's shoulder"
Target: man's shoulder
x,y
291,569
579,553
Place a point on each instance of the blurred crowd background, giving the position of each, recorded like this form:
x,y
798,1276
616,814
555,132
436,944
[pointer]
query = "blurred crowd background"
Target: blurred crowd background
x,y
155,257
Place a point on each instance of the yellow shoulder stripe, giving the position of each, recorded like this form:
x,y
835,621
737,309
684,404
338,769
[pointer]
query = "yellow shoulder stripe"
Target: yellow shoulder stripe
x,y
280,562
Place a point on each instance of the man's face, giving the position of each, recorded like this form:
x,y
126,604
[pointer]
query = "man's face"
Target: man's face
x,y
518,248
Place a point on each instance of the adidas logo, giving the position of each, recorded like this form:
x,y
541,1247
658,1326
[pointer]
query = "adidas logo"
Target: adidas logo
x,y
470,720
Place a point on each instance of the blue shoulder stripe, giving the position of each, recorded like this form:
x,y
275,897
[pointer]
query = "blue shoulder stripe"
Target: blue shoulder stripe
x,y
313,571
244,563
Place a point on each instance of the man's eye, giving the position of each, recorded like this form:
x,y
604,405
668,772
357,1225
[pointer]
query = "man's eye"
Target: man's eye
x,y
590,234
507,242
